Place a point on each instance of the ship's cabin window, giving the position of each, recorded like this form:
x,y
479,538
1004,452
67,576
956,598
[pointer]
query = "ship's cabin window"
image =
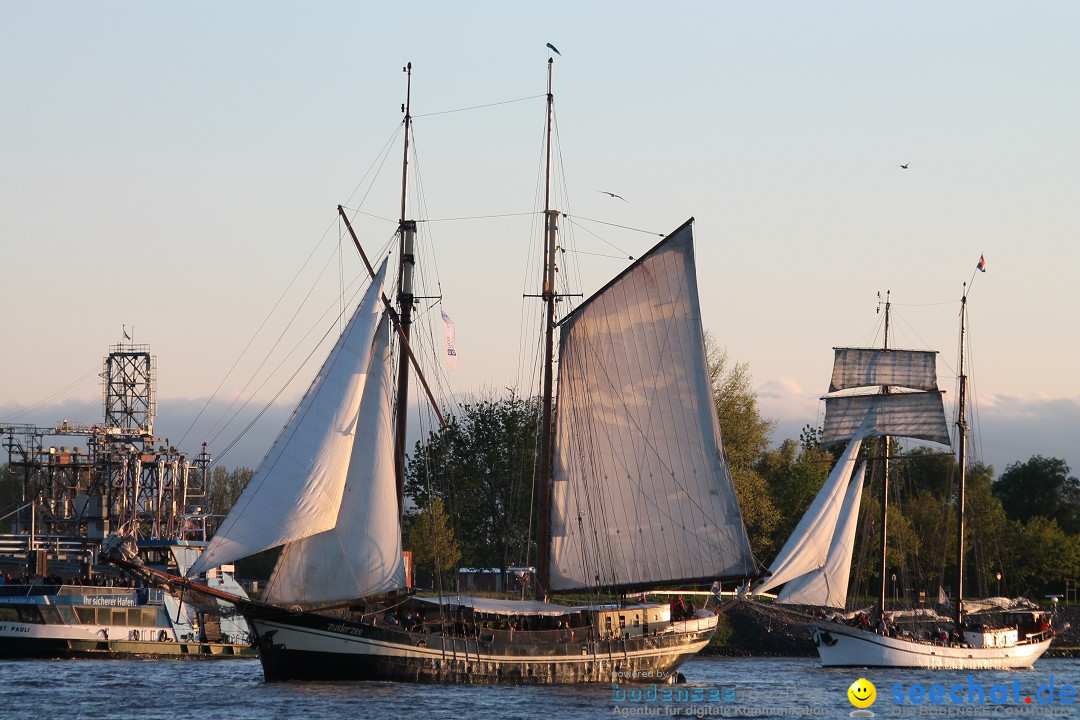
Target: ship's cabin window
x,y
159,557
67,614
50,614
21,613
146,617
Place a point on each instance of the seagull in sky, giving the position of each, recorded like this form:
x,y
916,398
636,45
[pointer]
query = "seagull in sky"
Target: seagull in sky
x,y
613,195
904,166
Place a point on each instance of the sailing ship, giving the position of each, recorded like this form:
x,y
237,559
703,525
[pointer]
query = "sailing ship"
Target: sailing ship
x,y
634,493
878,393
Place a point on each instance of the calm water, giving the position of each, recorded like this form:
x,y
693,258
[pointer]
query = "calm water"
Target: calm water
x,y
178,690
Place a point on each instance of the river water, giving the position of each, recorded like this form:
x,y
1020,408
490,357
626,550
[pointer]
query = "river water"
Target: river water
x,y
715,687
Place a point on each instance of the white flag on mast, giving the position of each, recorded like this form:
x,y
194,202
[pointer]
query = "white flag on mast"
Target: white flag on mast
x,y
452,360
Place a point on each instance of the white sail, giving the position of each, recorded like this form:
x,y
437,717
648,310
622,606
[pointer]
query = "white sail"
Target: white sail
x,y
827,586
918,415
361,555
641,492
861,367
296,491
807,549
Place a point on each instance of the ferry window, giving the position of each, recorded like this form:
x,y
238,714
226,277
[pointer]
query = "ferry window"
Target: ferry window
x,y
104,616
86,615
29,614
8,614
622,622
50,615
67,614
119,617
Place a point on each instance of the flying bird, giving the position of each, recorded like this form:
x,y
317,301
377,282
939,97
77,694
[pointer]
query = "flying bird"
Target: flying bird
x,y
904,166
555,49
613,195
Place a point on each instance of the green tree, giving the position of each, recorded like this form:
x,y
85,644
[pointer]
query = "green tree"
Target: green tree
x,y
431,540
925,469
794,472
746,437
223,489
988,532
1043,556
1041,487
481,466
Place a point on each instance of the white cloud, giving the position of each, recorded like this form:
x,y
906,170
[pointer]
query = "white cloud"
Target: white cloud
x,y
780,388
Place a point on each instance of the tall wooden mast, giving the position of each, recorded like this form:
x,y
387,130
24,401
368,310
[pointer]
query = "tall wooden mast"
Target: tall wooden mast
x,y
407,239
543,528
961,427
885,479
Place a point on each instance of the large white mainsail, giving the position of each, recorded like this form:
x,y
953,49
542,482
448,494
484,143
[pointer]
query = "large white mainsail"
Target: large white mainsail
x,y
361,555
641,491
807,549
827,585
296,491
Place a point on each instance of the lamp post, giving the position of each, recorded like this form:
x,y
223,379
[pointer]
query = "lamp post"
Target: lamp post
x,y
894,589
999,583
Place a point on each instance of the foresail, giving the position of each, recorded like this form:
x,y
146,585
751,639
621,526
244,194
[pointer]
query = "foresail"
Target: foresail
x,y
827,586
361,554
807,549
641,492
919,415
862,367
296,491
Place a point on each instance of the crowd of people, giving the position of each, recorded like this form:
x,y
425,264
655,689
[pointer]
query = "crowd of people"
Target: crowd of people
x,y
97,581
465,624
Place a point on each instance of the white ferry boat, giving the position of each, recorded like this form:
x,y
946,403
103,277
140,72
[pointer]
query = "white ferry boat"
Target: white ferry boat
x,y
53,618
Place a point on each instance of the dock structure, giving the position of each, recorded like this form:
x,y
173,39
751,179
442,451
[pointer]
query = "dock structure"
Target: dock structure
x,y
80,481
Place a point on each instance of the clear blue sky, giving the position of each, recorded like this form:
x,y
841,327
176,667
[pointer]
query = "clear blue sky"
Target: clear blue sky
x,y
172,166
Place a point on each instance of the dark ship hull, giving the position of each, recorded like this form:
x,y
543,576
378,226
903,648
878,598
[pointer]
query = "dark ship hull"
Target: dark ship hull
x,y
313,646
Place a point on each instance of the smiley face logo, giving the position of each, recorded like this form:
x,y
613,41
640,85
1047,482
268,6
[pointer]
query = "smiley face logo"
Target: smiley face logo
x,y
862,693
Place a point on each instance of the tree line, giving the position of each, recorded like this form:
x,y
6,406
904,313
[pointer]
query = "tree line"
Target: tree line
x,y
471,492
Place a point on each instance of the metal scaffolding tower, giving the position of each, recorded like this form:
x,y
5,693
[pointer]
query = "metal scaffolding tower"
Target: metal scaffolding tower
x,y
128,376
124,475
